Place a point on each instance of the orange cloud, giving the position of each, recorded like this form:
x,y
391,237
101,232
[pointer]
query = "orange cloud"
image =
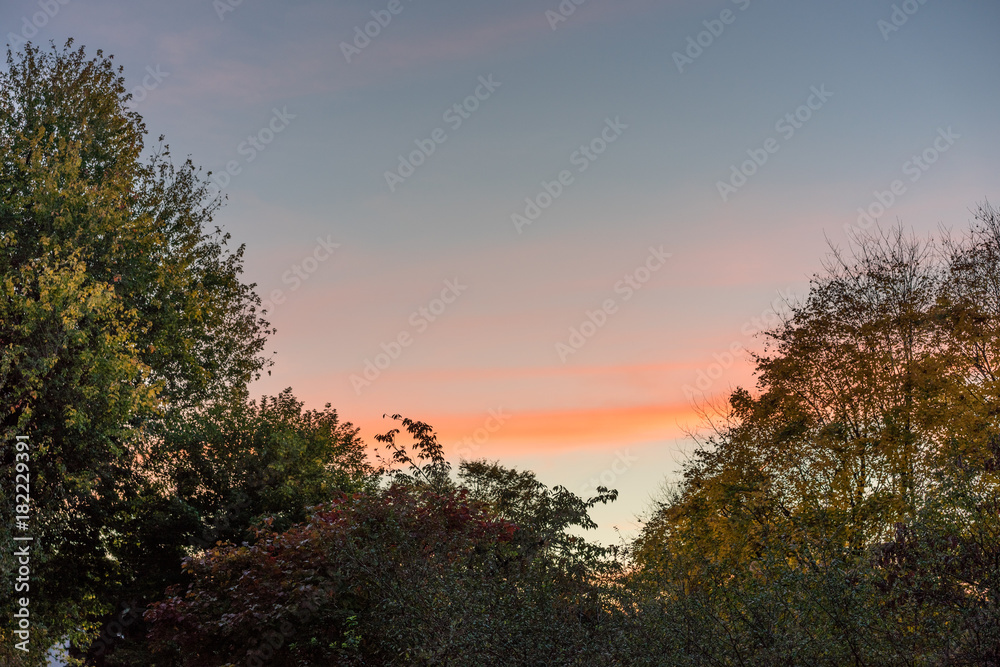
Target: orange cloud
x,y
504,433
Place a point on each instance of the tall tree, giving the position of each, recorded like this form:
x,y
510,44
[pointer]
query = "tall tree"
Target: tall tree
x,y
118,306
848,510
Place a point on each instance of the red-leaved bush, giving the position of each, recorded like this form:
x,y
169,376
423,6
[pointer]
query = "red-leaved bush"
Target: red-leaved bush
x,y
333,590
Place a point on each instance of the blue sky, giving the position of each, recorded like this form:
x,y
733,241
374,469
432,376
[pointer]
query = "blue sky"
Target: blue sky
x,y
354,261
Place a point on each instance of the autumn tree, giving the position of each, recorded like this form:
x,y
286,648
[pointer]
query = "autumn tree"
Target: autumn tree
x,y
119,305
856,490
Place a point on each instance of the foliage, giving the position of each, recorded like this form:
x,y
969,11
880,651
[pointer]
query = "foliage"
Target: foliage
x,y
422,571
219,475
234,463
847,514
117,308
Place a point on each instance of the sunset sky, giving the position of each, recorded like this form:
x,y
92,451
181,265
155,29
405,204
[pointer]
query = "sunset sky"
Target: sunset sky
x,y
540,226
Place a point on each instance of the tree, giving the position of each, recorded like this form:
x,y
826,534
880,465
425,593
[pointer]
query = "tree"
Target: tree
x,y
847,512
220,474
118,307
422,571
234,465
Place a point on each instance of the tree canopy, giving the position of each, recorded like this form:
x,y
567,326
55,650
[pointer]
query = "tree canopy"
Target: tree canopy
x,y
846,511
119,306
855,497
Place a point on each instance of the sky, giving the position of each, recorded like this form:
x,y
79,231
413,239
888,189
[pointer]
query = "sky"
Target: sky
x,y
552,230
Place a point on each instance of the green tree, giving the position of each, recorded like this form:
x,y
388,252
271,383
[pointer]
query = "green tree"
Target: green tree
x,y
220,474
119,306
235,464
